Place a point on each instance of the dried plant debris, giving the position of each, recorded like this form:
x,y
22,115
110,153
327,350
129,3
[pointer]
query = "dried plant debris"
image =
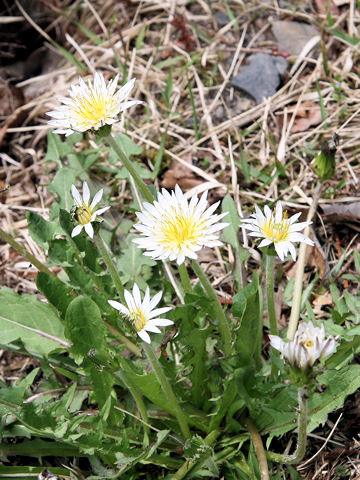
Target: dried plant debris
x,y
185,57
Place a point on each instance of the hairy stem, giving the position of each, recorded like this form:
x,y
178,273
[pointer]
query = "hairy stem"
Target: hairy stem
x,y
223,321
130,168
110,265
270,293
259,449
300,266
299,453
166,388
6,237
124,340
185,279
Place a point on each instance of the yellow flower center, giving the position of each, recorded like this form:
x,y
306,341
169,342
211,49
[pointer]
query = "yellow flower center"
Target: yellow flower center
x,y
276,232
93,108
83,214
178,230
308,343
137,316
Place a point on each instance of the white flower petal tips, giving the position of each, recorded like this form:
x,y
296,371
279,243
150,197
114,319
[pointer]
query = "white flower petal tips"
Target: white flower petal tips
x,y
174,228
85,213
277,229
142,313
91,106
308,346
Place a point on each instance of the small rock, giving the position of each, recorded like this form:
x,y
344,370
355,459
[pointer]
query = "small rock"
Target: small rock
x,y
220,112
222,18
261,77
291,37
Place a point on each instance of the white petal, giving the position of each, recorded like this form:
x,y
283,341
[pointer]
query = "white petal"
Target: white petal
x,y
136,295
119,306
101,210
158,311
161,322
89,230
292,250
144,336
276,342
76,195
96,198
265,242
129,300
281,250
278,213
76,230
151,327
86,193
125,90
155,300
125,105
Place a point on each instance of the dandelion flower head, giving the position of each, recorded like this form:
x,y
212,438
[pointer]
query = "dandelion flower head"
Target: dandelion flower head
x,y
142,312
92,105
174,228
86,212
309,346
277,229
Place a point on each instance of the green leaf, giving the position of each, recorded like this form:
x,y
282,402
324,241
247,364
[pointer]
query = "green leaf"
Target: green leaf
x,y
60,253
84,327
102,382
58,294
126,145
16,393
41,230
61,186
131,263
140,38
339,384
246,308
33,322
56,148
231,233
344,36
81,280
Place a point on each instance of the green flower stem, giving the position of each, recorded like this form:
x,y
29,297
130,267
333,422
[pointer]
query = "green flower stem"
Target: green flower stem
x,y
189,464
7,238
130,168
270,294
223,322
125,341
185,279
299,453
300,267
110,265
259,449
166,387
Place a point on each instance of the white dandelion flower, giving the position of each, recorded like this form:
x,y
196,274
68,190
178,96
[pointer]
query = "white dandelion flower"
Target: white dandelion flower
x,y
143,313
92,105
309,346
86,212
277,229
174,228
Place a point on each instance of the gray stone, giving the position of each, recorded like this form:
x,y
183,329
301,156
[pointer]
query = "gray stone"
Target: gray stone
x,y
291,37
261,77
222,19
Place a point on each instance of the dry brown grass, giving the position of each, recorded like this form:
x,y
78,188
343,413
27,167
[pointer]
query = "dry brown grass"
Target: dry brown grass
x,y
264,134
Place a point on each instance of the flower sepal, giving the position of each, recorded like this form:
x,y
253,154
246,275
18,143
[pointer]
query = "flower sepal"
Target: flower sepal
x,y
269,250
302,378
103,131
